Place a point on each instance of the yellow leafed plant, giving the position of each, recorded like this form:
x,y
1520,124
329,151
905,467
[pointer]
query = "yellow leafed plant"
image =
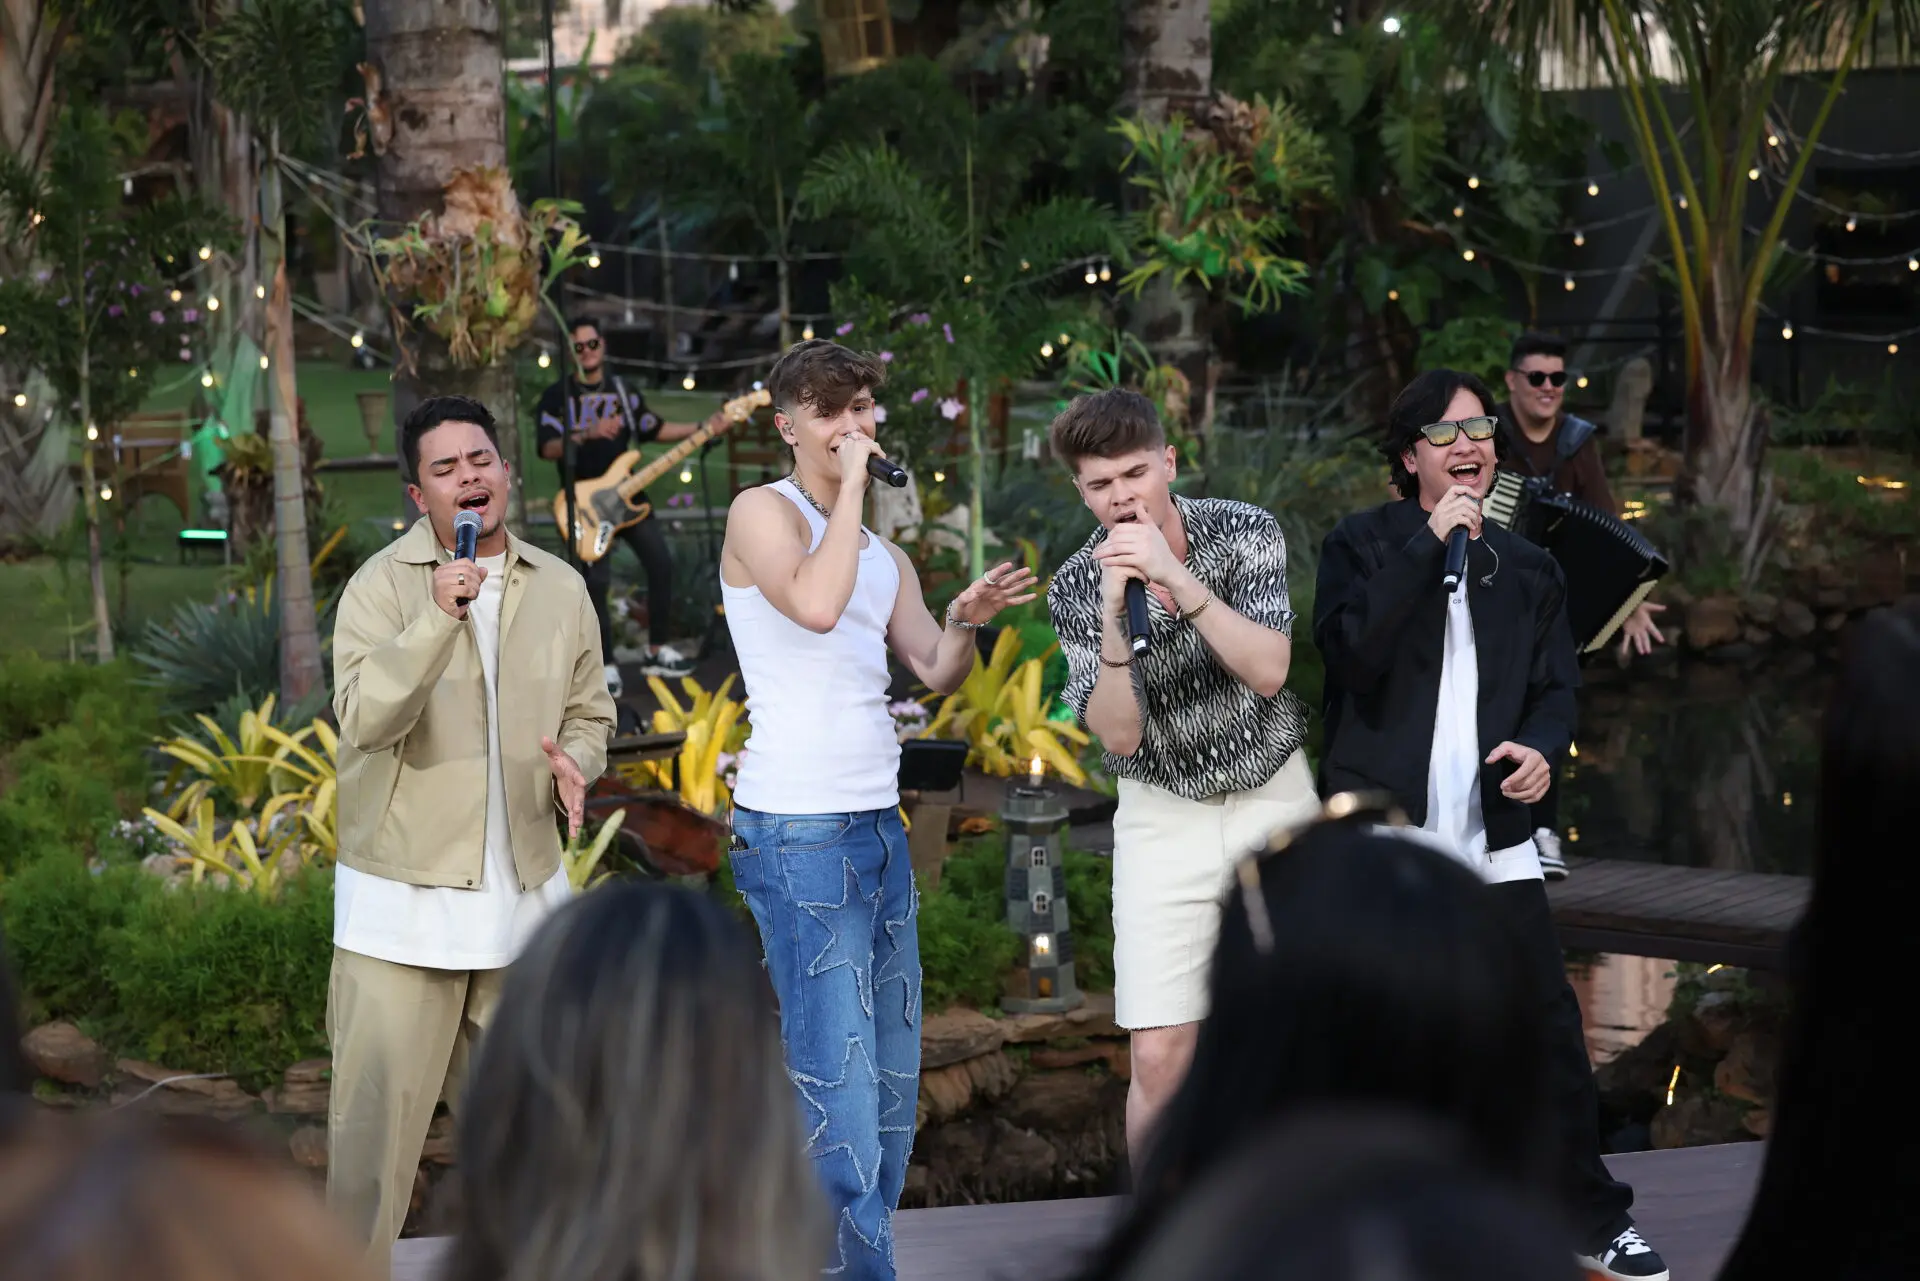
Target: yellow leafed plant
x,y
242,769
236,853
712,724
999,711
582,860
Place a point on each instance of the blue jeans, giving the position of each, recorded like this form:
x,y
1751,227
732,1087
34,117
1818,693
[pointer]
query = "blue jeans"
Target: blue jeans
x,y
834,898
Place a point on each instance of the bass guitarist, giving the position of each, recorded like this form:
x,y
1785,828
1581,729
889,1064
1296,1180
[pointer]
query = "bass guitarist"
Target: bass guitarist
x,y
607,418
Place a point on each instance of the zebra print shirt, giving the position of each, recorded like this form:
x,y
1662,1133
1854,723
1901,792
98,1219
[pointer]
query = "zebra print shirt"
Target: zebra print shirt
x,y
1203,732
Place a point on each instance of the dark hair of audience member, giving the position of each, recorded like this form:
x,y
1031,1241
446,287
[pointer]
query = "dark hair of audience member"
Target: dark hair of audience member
x,y
125,1194
15,1078
1354,1194
1837,1194
1389,981
629,1113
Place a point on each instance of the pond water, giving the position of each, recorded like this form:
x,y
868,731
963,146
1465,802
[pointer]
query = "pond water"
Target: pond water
x,y
1705,764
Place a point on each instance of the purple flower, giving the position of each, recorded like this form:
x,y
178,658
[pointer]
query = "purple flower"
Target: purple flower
x,y
951,409
157,316
947,329
918,396
844,330
919,318
880,414
134,290
186,353
886,357
190,315
115,309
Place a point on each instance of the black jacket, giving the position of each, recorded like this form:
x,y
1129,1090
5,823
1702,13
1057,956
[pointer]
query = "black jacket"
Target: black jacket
x,y
1380,622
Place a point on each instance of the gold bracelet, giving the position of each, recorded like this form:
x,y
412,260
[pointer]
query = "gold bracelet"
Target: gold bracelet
x,y
1197,610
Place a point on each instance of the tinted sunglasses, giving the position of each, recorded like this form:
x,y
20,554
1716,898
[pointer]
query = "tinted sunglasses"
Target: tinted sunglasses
x,y
1369,808
1536,377
591,344
1444,433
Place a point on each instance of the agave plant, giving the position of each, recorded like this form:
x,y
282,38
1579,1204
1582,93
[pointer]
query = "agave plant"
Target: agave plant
x,y
210,653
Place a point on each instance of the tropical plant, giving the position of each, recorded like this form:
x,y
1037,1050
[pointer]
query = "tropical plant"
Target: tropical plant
x,y
1000,713
1732,60
211,652
583,861
988,286
259,857
715,734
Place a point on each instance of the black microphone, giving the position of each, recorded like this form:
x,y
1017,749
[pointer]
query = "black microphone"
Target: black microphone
x,y
1137,615
1456,558
466,541
882,469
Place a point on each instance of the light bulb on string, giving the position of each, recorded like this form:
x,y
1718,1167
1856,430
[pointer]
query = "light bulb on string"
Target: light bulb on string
x,y
1853,221
1786,331
1390,25
1683,202
1393,295
126,187
1092,276
1753,174
206,252
543,360
733,269
593,260
1468,255
686,476
1065,339
1046,349
939,478
807,333
1579,239
259,291
135,372
1773,140
1473,183
93,432
1569,284
263,362
1025,265
213,304
358,340
106,493
173,295
19,400
686,384
1459,211
1106,272
1893,349
967,279
1913,264
206,379
1593,188
1580,382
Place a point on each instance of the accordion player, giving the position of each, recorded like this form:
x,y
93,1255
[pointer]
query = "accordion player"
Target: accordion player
x,y
1610,568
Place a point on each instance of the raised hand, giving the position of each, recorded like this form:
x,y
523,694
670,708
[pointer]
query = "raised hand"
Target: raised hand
x,y
570,783
456,584
1460,508
1003,585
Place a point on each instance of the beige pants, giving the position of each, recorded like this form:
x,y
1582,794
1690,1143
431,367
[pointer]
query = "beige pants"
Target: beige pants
x,y
1173,862
402,1036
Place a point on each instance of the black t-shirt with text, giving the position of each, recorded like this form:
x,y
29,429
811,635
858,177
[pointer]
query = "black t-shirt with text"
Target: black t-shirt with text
x,y
584,406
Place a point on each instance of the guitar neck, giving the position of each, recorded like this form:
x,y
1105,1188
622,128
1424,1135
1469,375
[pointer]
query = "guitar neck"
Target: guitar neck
x,y
660,466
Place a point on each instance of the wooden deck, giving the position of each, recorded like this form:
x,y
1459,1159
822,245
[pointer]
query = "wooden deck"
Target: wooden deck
x,y
1680,913
1690,1204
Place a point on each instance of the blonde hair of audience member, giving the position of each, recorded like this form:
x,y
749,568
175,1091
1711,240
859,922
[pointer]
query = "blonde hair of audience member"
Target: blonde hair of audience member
x,y
125,1196
629,1116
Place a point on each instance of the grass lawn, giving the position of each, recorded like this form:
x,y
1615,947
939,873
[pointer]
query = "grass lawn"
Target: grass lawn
x,y
47,595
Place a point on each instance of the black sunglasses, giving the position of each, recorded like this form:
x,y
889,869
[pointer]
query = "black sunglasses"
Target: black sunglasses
x,y
591,344
1443,433
1374,808
1535,377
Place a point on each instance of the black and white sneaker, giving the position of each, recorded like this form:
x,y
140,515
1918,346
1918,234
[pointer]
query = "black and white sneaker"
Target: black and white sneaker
x,y
669,662
1626,1258
615,686
1553,864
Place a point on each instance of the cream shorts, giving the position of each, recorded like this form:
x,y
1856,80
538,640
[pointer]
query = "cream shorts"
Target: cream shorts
x,y
1173,862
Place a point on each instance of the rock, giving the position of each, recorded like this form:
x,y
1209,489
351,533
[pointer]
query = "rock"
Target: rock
x,y
1094,1018
1698,1120
309,1146
1634,1081
1078,1056
1830,598
992,1075
1755,637
1055,1101
304,1090
65,1053
1759,1122
1019,1160
1748,1070
956,1035
1120,1060
1761,608
1678,595
1712,622
1834,622
439,1145
1795,621
945,1092
175,1096
1716,1019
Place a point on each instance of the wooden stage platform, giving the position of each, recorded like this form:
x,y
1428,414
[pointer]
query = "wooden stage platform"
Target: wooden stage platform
x,y
1690,1203
1679,913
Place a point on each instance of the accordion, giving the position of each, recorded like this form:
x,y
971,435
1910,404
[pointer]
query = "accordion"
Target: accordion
x,y
1609,567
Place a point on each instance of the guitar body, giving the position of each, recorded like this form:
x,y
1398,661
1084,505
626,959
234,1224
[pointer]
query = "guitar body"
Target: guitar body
x,y
610,503
602,510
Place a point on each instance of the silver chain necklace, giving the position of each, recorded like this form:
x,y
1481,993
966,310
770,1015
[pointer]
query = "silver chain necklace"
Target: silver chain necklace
x,y
795,478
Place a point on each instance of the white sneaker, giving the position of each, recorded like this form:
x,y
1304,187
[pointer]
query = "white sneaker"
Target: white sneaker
x,y
668,661
1553,864
614,685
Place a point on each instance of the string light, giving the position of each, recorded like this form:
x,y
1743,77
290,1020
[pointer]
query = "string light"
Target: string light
x,y
1579,239
807,333
1091,275
1581,382
1025,265
686,384
1853,221
213,304
939,478
1473,183
126,187
1893,349
733,269
93,432
1390,25
1683,202
1773,140
19,400
206,252
1065,339
106,493
259,291
1468,255
358,340
1786,799
543,360
263,360
1569,284
1913,264
135,373
3,331
1393,295
206,379
39,218
967,279
1786,331
1106,273
686,476
173,295
1593,188
593,260
1716,967
1459,211
1046,349
1573,750
1753,174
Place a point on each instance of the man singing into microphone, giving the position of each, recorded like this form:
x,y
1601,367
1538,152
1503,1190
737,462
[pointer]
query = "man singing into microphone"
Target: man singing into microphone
x,y
1455,699
472,706
814,602
1199,730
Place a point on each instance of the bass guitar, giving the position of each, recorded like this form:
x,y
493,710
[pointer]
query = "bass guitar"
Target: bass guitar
x,y
608,504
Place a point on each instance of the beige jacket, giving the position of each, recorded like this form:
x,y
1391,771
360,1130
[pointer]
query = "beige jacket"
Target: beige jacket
x,y
412,703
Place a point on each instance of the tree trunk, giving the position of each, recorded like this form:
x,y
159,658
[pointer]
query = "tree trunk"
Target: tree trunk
x,y
90,494
31,33
669,348
977,410
1726,439
1167,67
441,80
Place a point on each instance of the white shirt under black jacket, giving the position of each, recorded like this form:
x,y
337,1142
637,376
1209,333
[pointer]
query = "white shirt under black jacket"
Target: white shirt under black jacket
x,y
1454,824
440,928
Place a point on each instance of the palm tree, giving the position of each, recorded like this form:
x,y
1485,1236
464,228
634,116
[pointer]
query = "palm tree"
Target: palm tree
x,y
436,107
275,63
1727,63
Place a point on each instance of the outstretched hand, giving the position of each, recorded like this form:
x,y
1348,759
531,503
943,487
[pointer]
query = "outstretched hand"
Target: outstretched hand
x,y
570,783
1529,780
1640,631
1003,585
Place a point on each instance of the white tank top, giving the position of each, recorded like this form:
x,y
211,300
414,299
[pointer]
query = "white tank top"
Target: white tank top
x,y
821,741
